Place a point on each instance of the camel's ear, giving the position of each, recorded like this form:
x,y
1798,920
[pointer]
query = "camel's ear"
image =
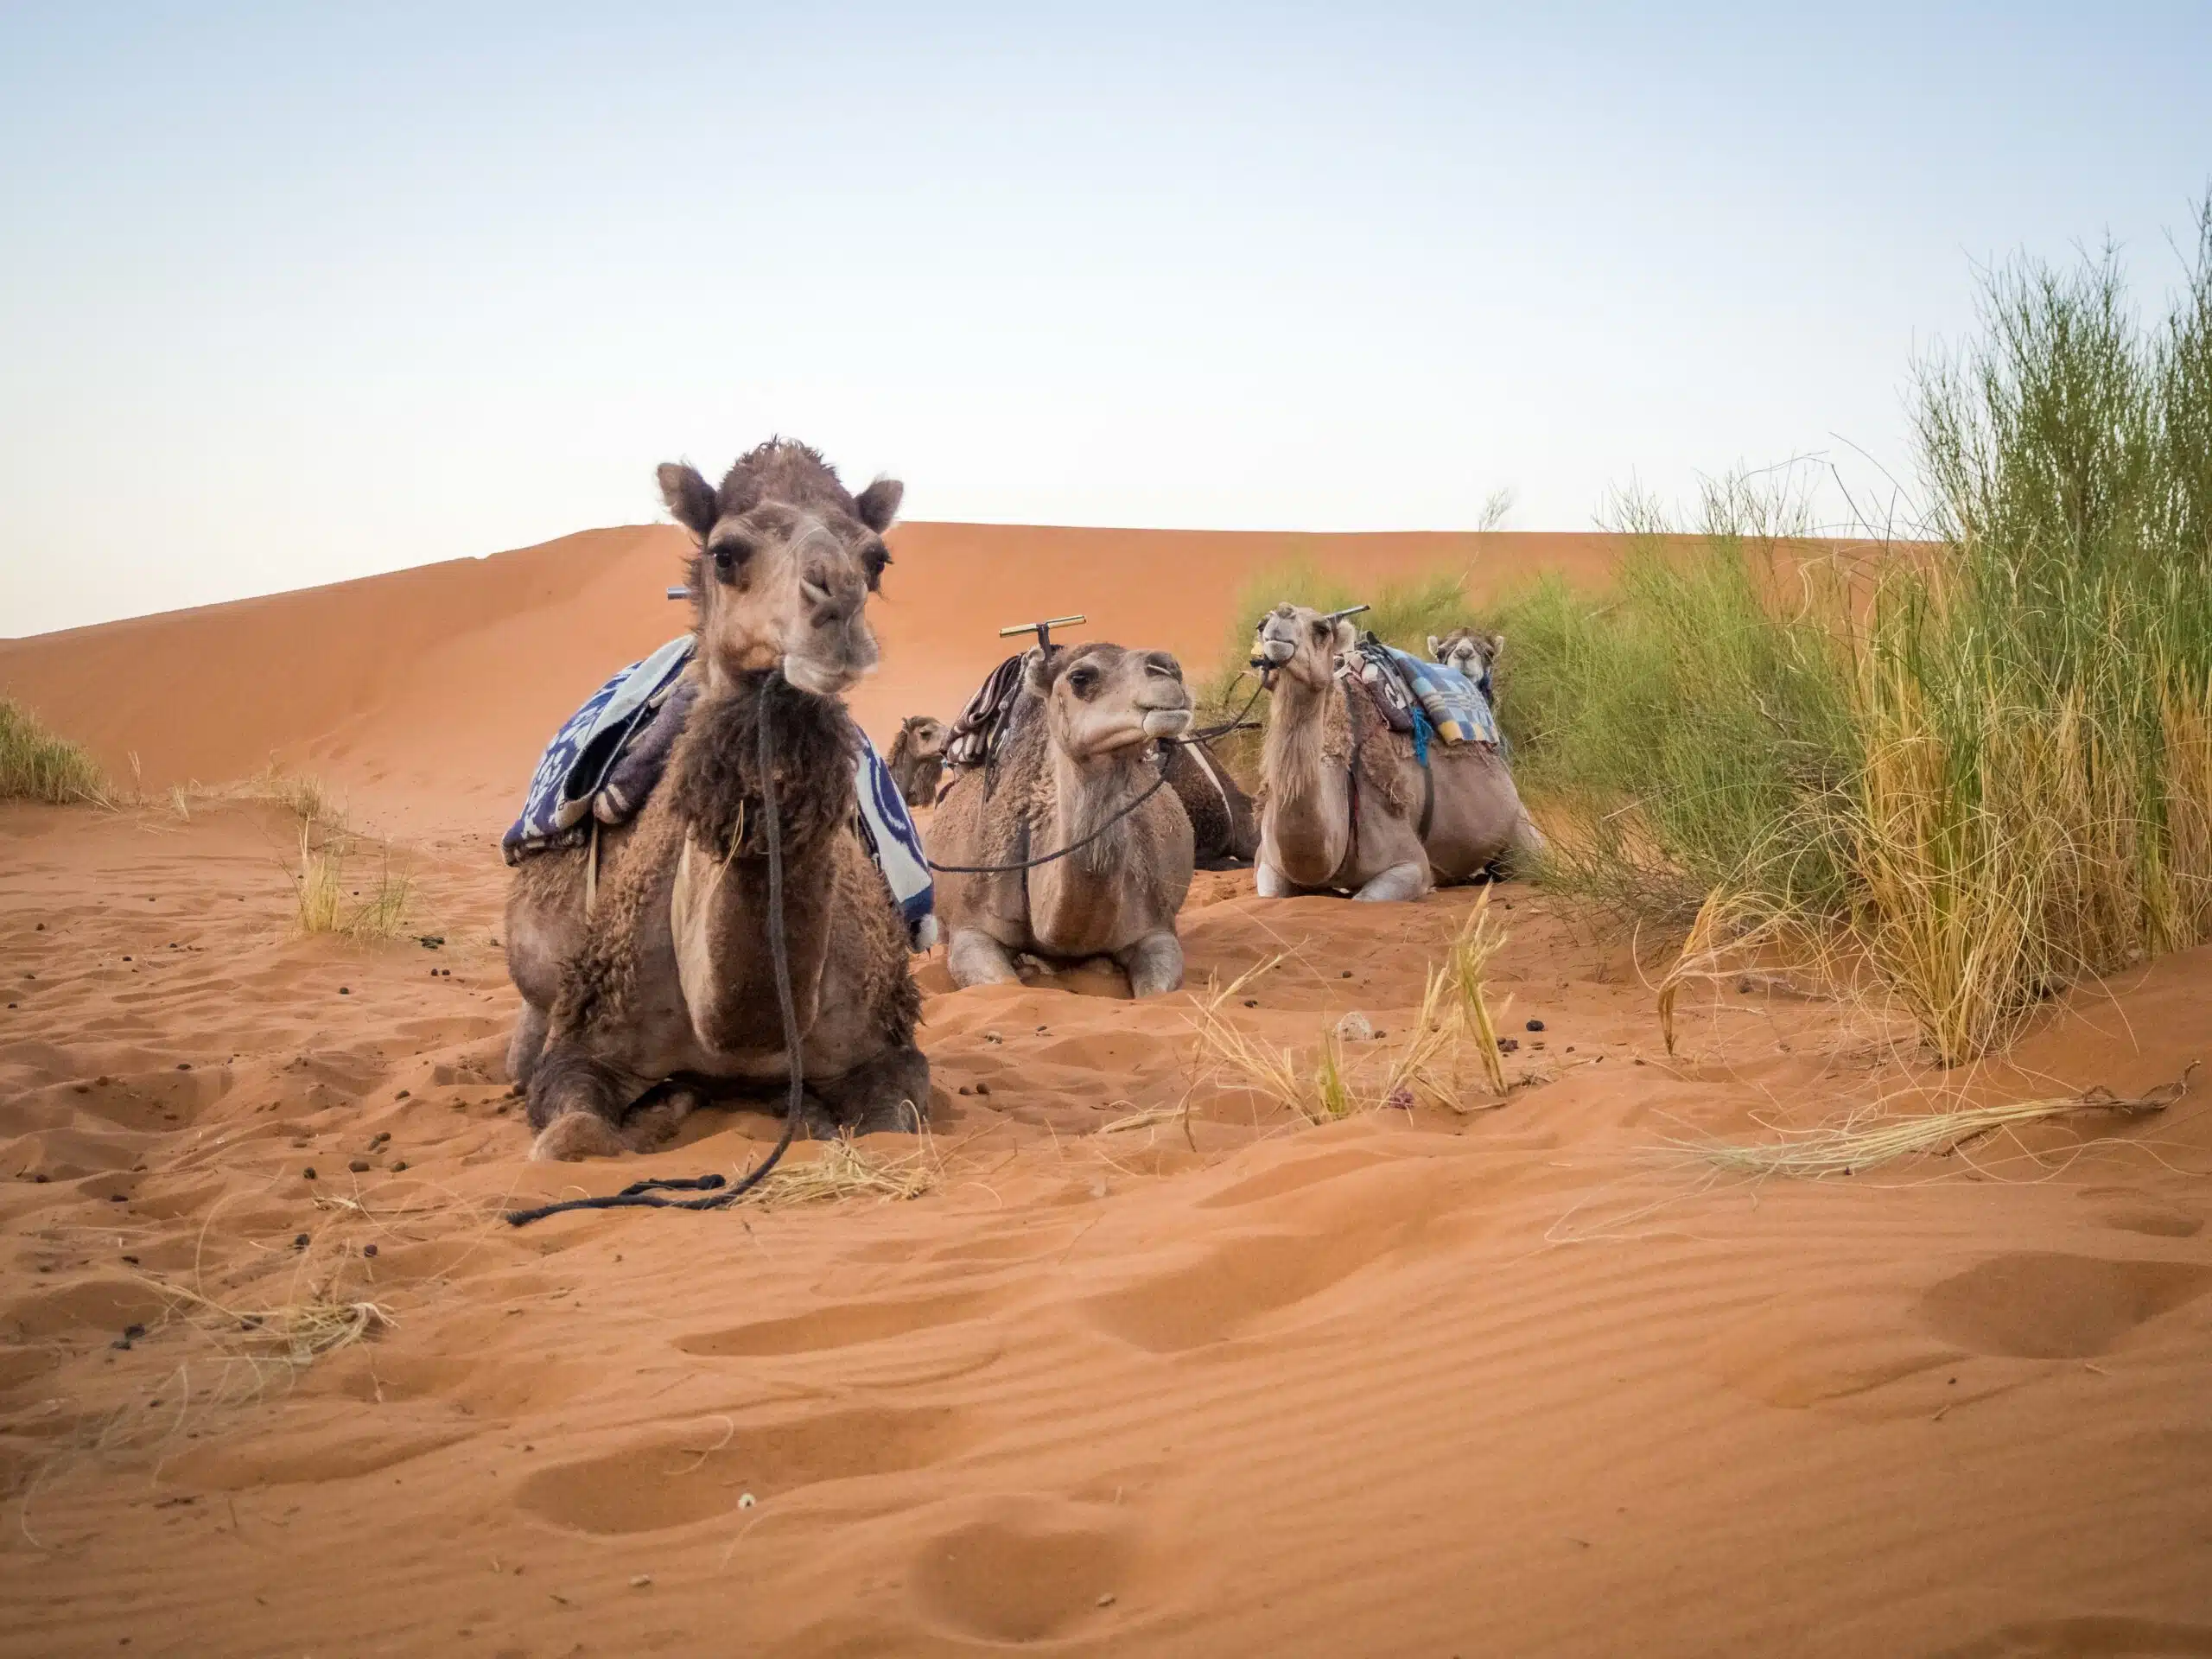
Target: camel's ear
x,y
877,505
690,498
1496,648
1435,648
1347,635
1036,673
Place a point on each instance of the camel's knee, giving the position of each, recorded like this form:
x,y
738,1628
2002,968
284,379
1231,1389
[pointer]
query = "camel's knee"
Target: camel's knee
x,y
1154,965
974,957
1399,881
890,1093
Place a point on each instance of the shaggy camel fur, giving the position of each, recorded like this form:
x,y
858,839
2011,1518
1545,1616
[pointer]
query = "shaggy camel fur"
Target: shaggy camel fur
x,y
658,969
1076,749
917,759
1320,831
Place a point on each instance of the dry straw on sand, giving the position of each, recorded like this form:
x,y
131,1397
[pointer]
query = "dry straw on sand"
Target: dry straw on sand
x,y
845,1169
1863,1143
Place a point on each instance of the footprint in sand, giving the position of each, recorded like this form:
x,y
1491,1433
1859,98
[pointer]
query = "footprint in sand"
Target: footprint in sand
x,y
2035,1305
1024,1567
675,1480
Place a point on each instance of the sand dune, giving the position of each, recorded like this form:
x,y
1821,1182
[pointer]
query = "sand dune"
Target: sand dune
x,y
427,693
1514,1380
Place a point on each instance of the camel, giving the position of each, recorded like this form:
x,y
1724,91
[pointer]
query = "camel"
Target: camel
x,y
1224,823
650,974
1076,750
917,759
1341,795
1472,652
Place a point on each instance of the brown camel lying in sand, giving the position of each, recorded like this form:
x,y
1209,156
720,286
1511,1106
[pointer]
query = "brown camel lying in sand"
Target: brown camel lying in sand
x,y
917,759
1076,749
658,967
1327,752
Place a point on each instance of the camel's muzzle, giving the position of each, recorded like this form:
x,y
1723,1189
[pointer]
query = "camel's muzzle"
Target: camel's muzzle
x,y
1167,722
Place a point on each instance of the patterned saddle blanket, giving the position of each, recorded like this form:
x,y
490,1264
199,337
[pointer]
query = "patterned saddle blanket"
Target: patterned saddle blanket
x,y
604,762
975,733
1413,695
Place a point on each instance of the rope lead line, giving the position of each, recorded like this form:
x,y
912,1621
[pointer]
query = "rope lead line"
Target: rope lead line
x,y
641,1195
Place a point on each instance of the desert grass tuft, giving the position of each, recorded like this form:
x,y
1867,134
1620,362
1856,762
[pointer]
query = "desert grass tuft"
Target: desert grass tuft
x,y
327,905
296,1334
1863,1143
1978,759
1461,984
36,765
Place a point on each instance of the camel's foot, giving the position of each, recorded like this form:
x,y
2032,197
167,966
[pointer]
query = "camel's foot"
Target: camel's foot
x,y
1154,965
1399,881
652,1127
576,1134
1270,882
891,1092
526,1045
974,957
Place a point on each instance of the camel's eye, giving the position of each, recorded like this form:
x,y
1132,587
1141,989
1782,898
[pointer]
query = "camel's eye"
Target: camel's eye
x,y
1321,630
728,557
878,559
1082,681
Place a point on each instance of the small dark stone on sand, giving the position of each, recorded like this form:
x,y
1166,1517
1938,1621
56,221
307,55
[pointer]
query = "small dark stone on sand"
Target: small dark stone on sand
x,y
118,1198
1251,1001
307,1174
42,1178
132,1260
344,991
1507,1044
360,1165
1345,975
965,1090
368,1250
122,1343
403,1093
184,1065
398,1165
982,1088
1536,1025
299,1240
134,1332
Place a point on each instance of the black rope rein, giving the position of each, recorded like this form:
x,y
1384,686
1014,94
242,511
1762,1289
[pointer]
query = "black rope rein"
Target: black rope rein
x,y
643,1195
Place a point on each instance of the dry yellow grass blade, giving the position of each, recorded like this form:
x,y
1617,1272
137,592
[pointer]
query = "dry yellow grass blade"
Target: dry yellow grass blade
x,y
1861,1144
299,1332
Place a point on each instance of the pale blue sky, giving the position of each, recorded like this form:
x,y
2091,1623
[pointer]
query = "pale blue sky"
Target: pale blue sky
x,y
294,294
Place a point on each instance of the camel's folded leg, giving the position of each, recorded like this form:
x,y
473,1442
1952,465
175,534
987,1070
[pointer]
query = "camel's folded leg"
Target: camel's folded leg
x,y
889,1092
577,1103
1154,964
974,957
1399,881
526,1045
1270,882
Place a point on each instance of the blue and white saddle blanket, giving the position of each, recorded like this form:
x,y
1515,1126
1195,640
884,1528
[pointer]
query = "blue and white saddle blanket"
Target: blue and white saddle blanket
x,y
1445,700
604,762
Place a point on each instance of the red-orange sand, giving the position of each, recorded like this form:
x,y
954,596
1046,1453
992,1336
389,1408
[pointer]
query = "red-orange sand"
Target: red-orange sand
x,y
1516,1381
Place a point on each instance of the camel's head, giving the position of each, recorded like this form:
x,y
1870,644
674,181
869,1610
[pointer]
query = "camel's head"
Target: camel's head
x,y
1303,644
786,561
1470,651
923,735
1099,698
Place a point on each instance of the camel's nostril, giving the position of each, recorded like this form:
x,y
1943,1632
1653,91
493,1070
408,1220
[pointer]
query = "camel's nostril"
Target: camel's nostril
x,y
815,591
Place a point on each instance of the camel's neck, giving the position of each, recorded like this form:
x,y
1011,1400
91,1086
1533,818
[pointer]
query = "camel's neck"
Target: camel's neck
x,y
1086,795
720,906
1305,828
